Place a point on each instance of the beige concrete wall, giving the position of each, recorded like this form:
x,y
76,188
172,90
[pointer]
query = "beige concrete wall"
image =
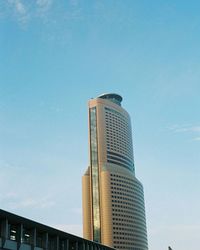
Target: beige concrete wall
x,y
86,201
106,210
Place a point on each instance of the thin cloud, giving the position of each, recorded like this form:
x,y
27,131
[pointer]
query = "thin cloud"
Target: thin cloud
x,y
184,128
23,11
194,130
196,139
44,3
178,230
20,10
43,7
14,201
18,6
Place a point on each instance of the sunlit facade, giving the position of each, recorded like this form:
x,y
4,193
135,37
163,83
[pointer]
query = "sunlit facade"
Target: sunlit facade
x,y
113,200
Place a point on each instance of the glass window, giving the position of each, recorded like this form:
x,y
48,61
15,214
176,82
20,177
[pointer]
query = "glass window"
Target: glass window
x,y
39,239
12,232
95,175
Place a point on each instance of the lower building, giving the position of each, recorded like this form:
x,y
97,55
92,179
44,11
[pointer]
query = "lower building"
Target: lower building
x,y
18,233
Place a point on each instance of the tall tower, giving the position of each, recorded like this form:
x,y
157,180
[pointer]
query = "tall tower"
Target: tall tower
x,y
113,199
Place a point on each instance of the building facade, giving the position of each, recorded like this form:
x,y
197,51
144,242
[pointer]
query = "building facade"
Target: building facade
x,y
18,233
113,199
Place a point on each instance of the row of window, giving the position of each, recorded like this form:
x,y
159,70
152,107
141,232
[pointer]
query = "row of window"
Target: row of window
x,y
116,117
130,244
116,125
129,160
120,160
118,146
115,112
134,211
116,120
138,194
120,135
141,236
128,248
133,205
135,218
129,221
131,182
128,227
135,201
120,164
119,143
132,235
136,228
124,184
117,131
118,150
122,177
130,212
133,239
123,196
130,186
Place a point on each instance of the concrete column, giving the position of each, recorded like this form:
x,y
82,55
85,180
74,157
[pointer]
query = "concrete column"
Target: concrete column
x,y
83,246
45,241
4,229
33,237
67,244
76,245
19,235
57,242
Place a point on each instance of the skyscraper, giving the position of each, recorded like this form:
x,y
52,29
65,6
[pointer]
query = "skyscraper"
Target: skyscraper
x,y
113,200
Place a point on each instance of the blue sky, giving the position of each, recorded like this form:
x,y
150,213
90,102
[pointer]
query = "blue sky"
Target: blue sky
x,y
55,56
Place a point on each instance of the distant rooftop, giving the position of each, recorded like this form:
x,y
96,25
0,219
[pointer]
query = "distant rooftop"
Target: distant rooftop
x,y
117,99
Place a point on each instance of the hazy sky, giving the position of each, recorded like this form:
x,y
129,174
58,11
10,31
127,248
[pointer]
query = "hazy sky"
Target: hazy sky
x,y
57,54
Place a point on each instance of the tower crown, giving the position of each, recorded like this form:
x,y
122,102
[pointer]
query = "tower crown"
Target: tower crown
x,y
117,99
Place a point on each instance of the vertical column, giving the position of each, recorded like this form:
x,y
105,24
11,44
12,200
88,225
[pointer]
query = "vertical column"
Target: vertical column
x,y
33,238
57,242
67,244
4,231
76,245
83,245
19,235
86,201
45,240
